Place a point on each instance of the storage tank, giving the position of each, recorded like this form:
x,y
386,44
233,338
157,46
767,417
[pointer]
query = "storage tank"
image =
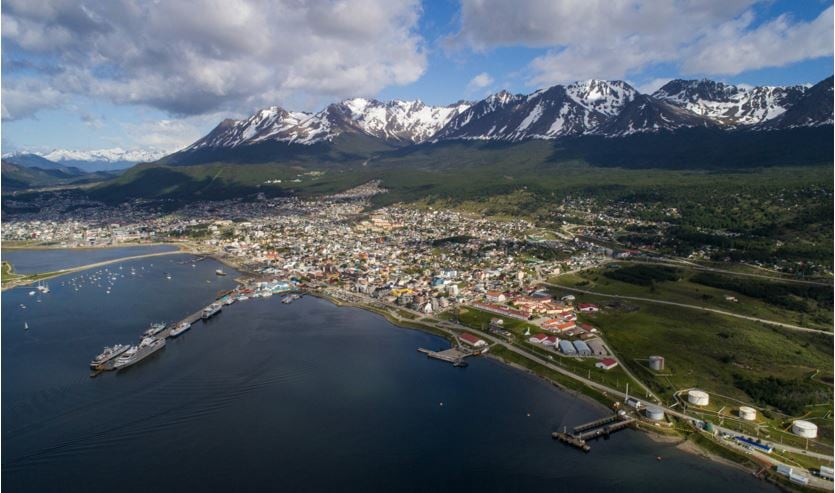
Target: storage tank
x,y
805,429
656,363
747,413
655,413
698,397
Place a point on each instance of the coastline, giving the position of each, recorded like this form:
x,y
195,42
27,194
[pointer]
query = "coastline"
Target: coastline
x,y
682,442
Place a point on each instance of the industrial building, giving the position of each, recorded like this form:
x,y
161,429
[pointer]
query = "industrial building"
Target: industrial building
x,y
656,363
582,348
747,413
698,397
597,347
567,348
606,363
805,429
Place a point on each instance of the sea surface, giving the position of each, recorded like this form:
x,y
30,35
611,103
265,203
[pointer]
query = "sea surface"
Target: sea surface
x,y
49,260
275,397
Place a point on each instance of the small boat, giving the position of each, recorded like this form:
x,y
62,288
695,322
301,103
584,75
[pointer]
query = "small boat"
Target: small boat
x,y
180,329
168,276
22,306
31,293
155,329
26,325
220,272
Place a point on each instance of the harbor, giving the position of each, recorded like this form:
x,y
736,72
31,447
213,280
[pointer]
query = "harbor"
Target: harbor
x,y
452,355
121,356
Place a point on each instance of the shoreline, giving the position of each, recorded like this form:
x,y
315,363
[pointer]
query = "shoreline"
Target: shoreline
x,y
682,442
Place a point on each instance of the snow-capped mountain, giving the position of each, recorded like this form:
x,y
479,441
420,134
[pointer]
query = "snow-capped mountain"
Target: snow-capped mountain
x,y
592,107
114,155
398,121
728,104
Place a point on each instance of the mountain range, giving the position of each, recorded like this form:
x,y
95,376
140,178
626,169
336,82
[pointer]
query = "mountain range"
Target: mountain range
x,y
90,161
589,108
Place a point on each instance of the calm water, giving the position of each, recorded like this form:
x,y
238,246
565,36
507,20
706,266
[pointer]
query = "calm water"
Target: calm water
x,y
300,397
35,261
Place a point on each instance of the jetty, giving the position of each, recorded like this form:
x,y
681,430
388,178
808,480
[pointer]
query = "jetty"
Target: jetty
x,y
604,427
452,355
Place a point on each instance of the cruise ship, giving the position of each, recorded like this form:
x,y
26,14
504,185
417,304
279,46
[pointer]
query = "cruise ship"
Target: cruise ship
x,y
211,310
179,329
108,354
155,329
135,354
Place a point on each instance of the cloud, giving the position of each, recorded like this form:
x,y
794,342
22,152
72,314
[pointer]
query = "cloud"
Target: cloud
x,y
479,82
618,39
22,98
191,58
170,134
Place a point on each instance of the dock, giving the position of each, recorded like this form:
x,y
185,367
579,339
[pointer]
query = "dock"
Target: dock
x,y
451,355
602,427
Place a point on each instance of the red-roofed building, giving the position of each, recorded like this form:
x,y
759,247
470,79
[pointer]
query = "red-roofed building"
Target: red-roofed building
x,y
538,339
606,364
472,340
588,308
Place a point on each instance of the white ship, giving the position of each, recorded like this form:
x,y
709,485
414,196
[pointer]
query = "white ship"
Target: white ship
x,y
135,354
179,329
108,354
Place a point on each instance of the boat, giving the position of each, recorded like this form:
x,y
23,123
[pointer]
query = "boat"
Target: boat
x,y
31,293
267,294
147,347
229,300
26,325
211,311
179,329
167,275
220,272
243,297
108,354
155,329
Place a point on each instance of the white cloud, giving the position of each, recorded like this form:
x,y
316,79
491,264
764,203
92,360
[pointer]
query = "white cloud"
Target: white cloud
x,y
170,134
22,98
479,82
198,57
618,39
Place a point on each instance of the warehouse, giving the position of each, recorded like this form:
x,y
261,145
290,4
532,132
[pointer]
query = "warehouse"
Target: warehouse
x,y
567,348
597,347
582,348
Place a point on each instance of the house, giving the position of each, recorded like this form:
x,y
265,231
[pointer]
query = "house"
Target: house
x,y
538,339
495,297
588,308
556,326
551,341
606,364
472,340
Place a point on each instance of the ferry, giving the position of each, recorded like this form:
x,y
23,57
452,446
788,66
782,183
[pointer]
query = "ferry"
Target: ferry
x,y
211,311
180,329
108,354
135,354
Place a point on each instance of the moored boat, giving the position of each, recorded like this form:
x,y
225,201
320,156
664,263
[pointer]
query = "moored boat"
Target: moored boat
x,y
179,329
108,354
147,347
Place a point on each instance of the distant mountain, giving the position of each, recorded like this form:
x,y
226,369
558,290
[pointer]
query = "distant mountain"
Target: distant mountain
x,y
19,177
30,160
89,161
357,128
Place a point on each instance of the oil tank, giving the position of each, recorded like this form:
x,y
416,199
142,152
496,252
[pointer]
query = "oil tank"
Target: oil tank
x,y
656,363
805,429
747,413
654,413
698,397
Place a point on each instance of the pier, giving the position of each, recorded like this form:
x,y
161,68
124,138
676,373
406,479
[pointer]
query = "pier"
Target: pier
x,y
451,355
593,429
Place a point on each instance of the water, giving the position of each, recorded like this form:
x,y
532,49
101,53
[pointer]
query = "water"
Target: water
x,y
50,260
299,397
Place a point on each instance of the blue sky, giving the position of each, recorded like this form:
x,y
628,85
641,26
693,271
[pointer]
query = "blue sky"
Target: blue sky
x,y
122,74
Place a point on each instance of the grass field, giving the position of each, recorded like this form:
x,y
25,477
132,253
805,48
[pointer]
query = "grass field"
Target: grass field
x,y
691,293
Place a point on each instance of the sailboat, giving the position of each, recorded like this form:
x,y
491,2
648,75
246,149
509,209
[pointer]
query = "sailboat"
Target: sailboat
x,y
26,325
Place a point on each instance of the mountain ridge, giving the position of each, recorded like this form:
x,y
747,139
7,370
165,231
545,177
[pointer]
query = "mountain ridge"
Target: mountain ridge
x,y
593,107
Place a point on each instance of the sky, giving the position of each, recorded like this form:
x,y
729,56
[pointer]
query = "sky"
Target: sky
x,y
158,75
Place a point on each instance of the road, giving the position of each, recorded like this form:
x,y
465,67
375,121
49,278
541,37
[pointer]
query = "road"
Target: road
x,y
692,266
692,307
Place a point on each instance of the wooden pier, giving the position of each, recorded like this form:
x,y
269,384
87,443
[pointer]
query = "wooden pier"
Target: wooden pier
x,y
593,429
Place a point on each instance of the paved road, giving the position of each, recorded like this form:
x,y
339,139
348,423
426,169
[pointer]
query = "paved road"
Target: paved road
x,y
692,266
693,307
